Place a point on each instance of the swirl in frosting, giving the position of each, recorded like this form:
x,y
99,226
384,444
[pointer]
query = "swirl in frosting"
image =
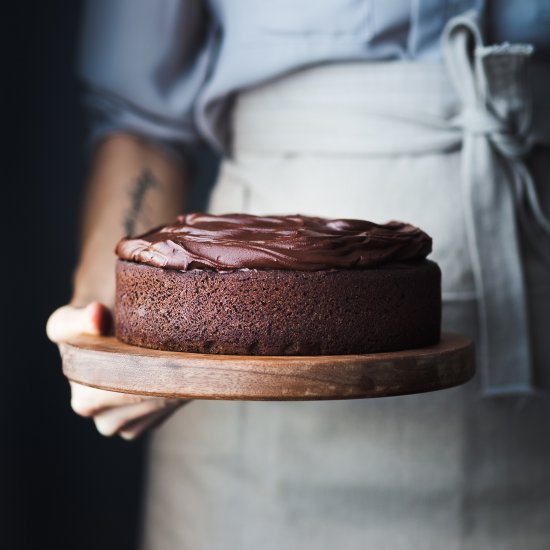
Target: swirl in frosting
x,y
302,243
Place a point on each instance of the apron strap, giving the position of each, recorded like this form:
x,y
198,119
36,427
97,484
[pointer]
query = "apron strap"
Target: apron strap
x,y
497,191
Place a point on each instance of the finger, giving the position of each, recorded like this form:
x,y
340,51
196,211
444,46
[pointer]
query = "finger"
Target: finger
x,y
112,420
154,420
68,321
87,401
134,429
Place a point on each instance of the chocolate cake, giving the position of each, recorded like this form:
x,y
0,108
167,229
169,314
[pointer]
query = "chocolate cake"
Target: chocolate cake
x,y
280,285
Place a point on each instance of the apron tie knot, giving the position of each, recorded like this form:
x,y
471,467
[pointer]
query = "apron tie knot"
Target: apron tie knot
x,y
502,135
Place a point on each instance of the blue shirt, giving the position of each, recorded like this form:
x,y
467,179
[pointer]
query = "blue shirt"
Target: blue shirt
x,y
168,69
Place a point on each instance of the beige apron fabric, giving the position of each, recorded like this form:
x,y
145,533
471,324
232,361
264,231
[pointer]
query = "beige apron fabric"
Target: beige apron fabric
x,y
447,470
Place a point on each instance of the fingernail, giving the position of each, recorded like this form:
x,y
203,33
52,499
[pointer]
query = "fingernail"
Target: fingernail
x,y
100,317
128,436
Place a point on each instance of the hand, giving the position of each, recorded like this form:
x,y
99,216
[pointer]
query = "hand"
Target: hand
x,y
113,413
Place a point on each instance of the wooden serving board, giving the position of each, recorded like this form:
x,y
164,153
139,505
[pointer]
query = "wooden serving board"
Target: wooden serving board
x,y
106,363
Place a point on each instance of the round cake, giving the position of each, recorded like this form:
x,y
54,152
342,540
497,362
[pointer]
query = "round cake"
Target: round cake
x,y
278,285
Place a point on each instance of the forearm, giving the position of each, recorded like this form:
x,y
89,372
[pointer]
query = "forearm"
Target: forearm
x,y
132,186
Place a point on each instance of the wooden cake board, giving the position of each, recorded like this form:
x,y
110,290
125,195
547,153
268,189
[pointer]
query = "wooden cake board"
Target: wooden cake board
x,y
105,362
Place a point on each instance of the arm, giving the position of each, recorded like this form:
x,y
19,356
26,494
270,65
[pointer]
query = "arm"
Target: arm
x,y
132,186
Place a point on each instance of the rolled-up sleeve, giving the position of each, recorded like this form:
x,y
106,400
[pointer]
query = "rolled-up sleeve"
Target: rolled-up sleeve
x,y
143,63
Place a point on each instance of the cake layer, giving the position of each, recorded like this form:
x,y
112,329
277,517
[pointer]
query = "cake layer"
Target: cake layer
x,y
279,312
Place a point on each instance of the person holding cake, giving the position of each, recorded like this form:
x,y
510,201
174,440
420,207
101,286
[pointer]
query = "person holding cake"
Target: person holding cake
x,y
344,110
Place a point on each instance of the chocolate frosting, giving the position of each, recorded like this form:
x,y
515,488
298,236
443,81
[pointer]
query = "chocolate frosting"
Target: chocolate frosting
x,y
302,243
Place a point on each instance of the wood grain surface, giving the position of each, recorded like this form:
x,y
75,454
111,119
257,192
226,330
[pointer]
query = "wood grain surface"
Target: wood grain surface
x,y
104,362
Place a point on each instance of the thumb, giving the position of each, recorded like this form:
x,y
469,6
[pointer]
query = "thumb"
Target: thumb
x,y
69,321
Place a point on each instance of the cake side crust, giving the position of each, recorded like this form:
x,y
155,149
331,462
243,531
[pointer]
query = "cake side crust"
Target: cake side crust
x,y
279,312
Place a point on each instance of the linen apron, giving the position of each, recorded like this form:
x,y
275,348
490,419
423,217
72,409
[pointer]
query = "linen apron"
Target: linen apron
x,y
453,469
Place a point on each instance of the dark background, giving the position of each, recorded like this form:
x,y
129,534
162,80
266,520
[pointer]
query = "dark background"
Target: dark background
x,y
62,485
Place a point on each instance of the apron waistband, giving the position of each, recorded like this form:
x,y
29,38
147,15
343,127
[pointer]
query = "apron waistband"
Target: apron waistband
x,y
349,108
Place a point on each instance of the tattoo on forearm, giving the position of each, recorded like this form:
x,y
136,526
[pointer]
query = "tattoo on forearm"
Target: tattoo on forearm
x,y
145,181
